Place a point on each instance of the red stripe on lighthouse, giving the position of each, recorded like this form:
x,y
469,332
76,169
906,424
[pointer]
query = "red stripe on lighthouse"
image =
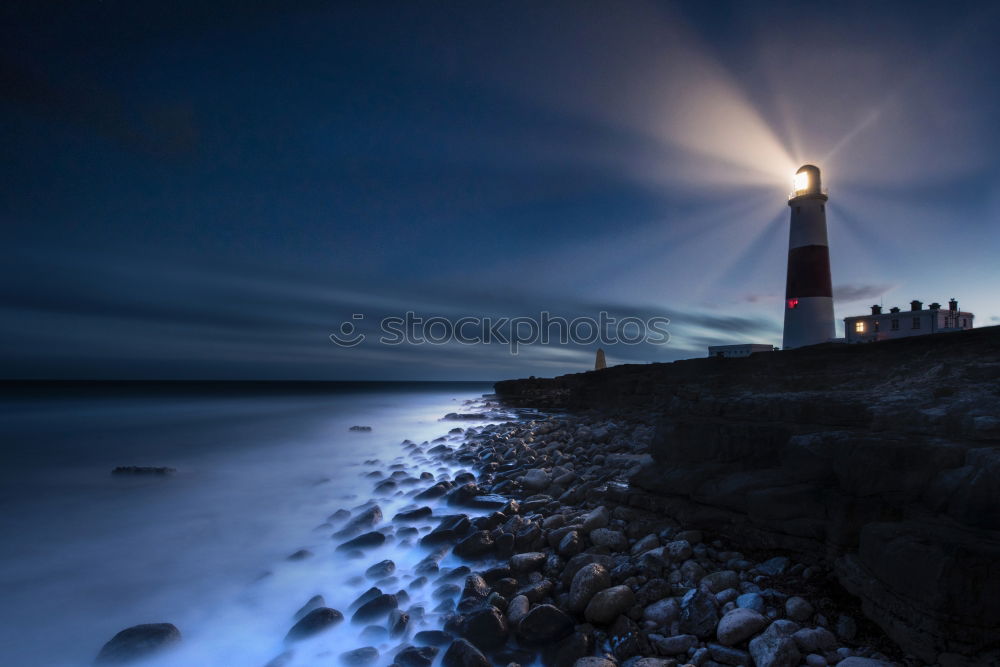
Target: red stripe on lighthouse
x,y
808,272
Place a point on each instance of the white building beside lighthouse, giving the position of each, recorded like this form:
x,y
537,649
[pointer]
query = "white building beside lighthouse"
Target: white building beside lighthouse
x,y
808,287
917,321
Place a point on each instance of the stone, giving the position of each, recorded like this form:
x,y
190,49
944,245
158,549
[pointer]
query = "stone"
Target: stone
x,y
571,544
596,518
739,625
626,639
591,661
720,581
380,569
486,628
698,614
751,601
313,602
138,642
662,612
798,609
774,650
855,661
567,651
588,581
544,625
433,638
677,550
517,609
536,480
461,653
727,655
608,604
413,515
815,660
316,621
651,541
612,539
475,587
399,622
527,562
416,656
375,608
675,645
366,541
365,520
811,640
365,655
774,566
475,546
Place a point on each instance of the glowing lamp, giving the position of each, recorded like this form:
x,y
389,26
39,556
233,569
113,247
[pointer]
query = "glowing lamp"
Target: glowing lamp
x,y
801,181
793,303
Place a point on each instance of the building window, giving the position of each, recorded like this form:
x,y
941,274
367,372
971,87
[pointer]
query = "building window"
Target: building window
x,y
965,323
875,325
895,325
859,327
916,322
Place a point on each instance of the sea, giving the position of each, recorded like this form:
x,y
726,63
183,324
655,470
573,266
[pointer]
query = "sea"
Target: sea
x,y
260,470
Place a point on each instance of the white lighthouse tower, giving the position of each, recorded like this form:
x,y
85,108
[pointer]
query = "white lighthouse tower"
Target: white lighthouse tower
x,y
808,290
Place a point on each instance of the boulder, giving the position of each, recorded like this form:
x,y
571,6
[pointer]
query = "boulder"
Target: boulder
x,y
588,581
375,608
698,614
416,656
739,625
612,539
316,621
774,650
138,642
544,625
610,603
359,657
798,609
463,654
486,628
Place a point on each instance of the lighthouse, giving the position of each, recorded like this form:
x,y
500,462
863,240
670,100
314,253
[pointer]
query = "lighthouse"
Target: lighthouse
x,y
808,289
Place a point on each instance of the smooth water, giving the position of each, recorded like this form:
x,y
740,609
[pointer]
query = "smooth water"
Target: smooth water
x,y
85,554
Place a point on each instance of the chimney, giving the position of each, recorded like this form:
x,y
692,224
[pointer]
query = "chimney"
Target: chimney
x,y
935,306
894,309
916,305
876,310
953,306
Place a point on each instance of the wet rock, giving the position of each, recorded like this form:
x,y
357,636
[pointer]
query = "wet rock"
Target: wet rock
x,y
727,655
812,640
416,656
720,581
448,531
677,551
380,569
375,608
662,612
626,640
535,480
475,546
751,601
486,628
612,539
543,625
399,622
798,609
366,541
774,566
367,596
316,621
435,491
571,544
596,518
365,655
698,614
674,645
774,650
608,604
588,581
461,653
432,638
138,642
414,514
527,562
855,661
739,625
592,661
366,520
314,602
517,609
475,587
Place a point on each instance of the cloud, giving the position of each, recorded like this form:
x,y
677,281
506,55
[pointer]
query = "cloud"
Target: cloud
x,y
852,293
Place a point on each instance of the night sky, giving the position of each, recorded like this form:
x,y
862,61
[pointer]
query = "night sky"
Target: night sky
x,y
207,190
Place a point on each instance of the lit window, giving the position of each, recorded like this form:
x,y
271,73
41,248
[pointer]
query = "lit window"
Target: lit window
x,y
859,327
793,303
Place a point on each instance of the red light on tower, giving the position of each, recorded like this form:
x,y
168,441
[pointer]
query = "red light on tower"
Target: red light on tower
x,y
792,303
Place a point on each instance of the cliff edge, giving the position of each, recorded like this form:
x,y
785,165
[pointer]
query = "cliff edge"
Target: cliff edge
x,y
880,460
